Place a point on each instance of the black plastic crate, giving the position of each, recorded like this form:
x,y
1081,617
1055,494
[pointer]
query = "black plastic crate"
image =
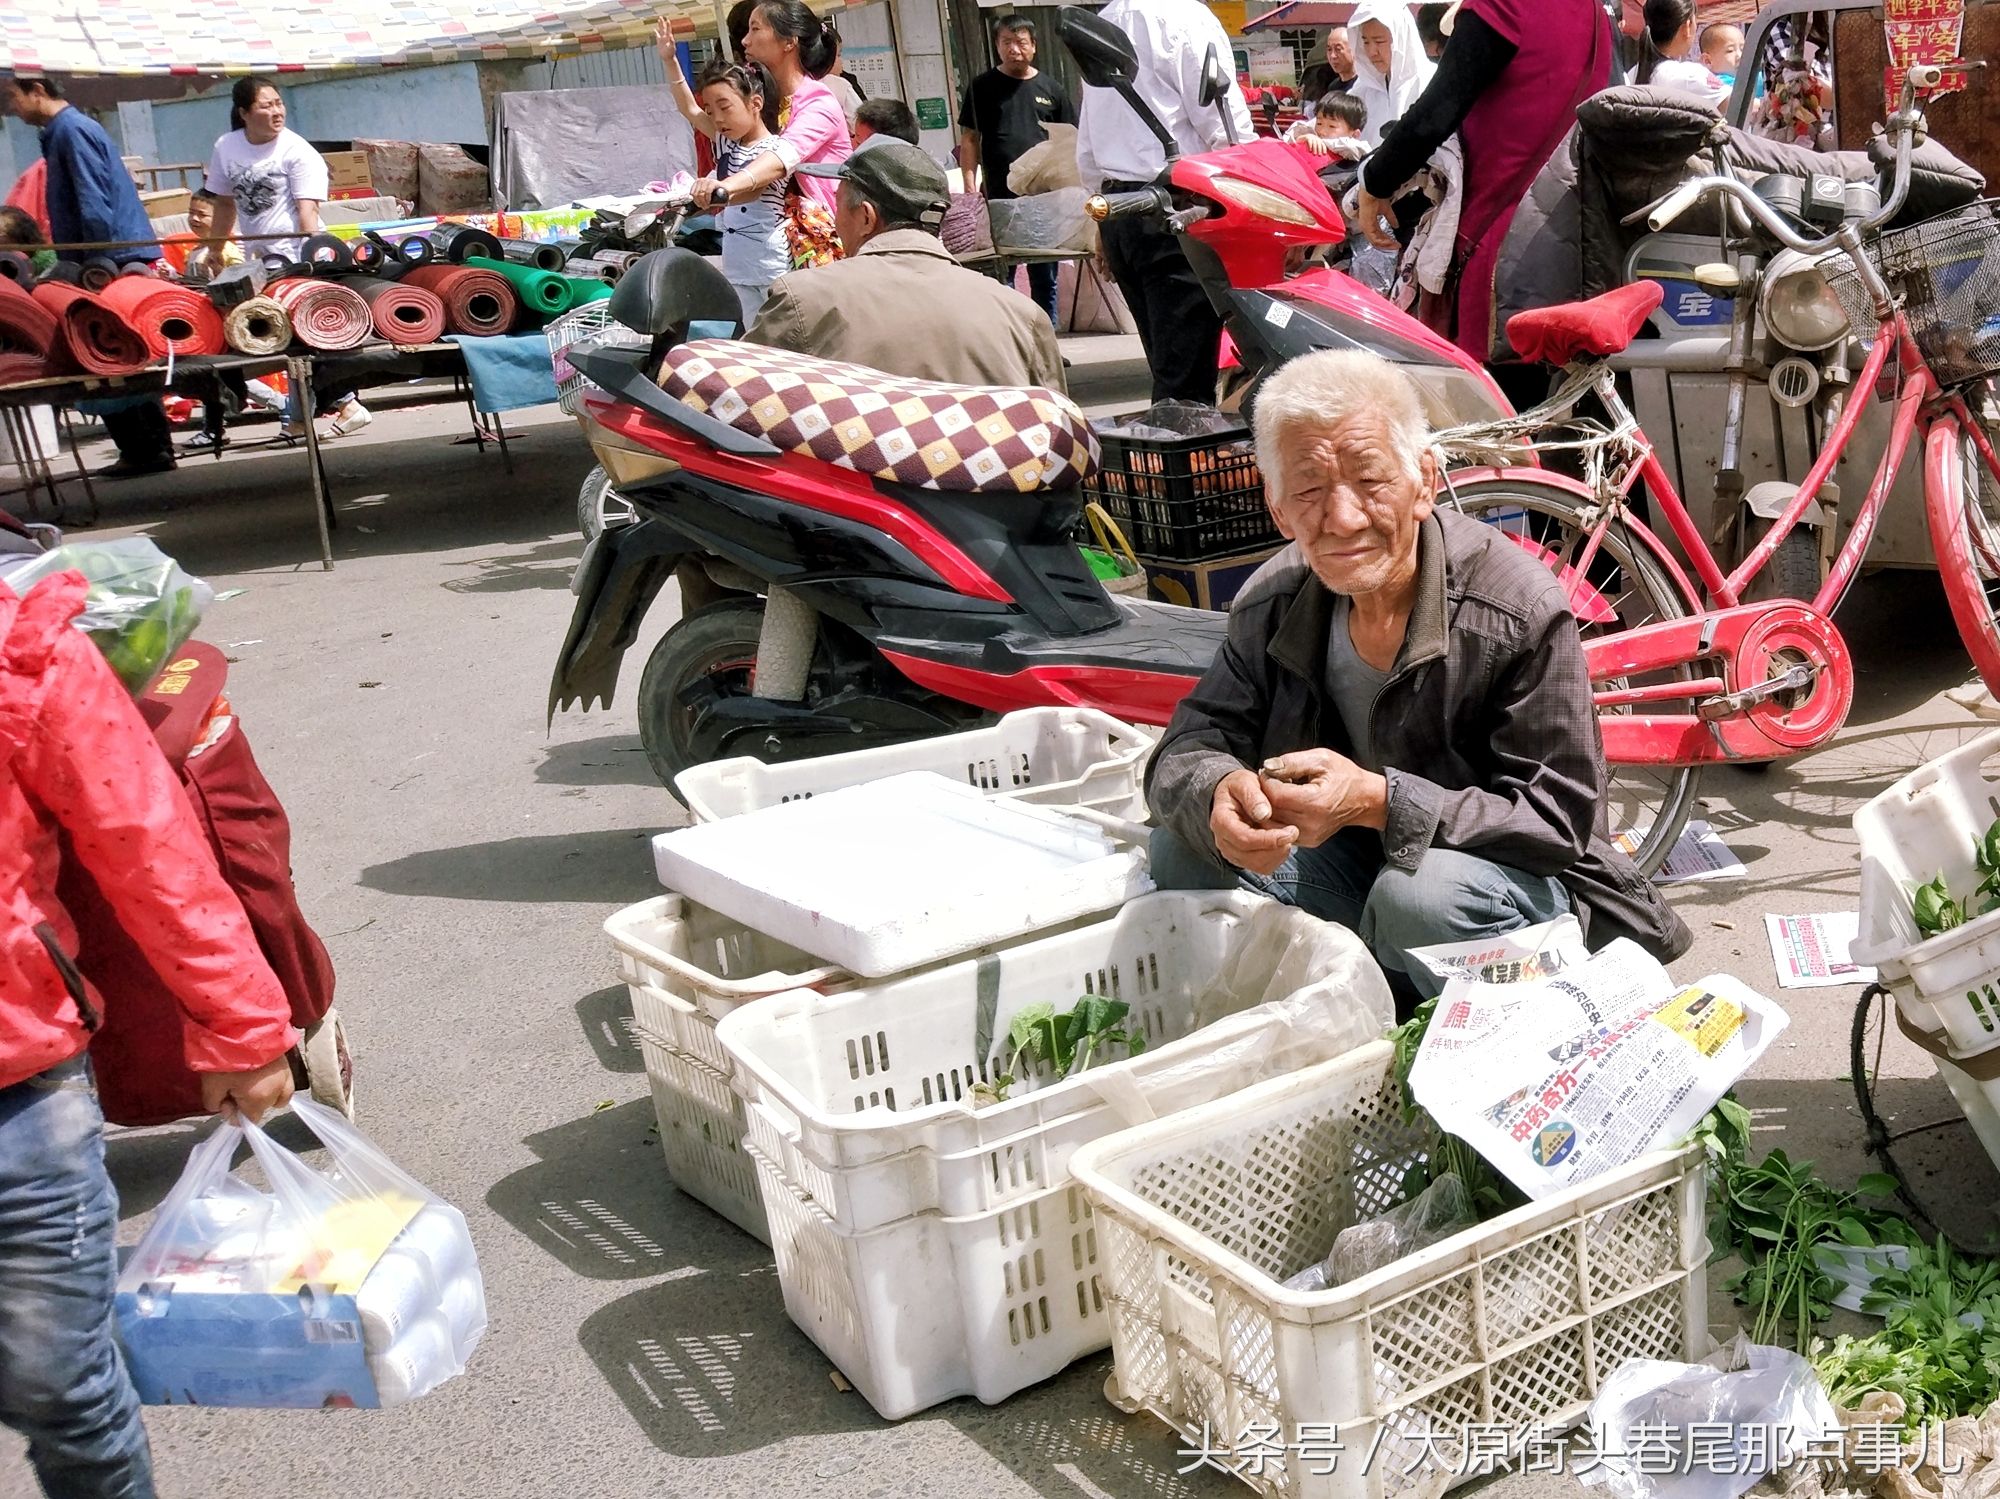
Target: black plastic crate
x,y
1184,499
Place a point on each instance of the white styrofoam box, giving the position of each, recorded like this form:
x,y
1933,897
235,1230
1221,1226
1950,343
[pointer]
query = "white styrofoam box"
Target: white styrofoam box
x,y
1930,823
864,1098
930,1307
701,1135
1050,756
879,1174
1513,1324
887,876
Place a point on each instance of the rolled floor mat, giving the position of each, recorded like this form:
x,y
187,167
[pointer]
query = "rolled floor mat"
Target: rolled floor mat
x,y
68,272
96,339
475,301
366,255
417,249
324,314
458,243
543,293
166,314
99,273
17,268
601,270
26,326
327,253
15,368
258,326
528,252
403,314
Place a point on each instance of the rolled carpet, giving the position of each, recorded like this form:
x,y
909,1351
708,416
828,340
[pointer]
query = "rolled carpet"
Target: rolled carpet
x,y
95,339
26,326
541,292
417,249
326,252
475,301
458,243
166,314
258,326
99,273
66,271
367,256
532,253
16,267
324,314
15,368
403,314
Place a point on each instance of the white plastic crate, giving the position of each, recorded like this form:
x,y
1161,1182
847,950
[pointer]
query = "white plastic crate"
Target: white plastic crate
x,y
1930,823
1052,756
1980,1100
1510,1325
879,1174
701,1135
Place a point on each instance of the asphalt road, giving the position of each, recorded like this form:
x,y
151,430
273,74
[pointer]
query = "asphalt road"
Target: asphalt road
x,y
459,855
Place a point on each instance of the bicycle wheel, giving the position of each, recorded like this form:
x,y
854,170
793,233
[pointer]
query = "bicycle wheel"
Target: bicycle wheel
x,y
1624,587
1962,497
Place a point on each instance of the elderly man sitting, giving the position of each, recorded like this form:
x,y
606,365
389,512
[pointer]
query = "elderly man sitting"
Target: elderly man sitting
x,y
1398,734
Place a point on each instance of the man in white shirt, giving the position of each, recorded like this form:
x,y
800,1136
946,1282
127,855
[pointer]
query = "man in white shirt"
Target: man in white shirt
x,y
1115,152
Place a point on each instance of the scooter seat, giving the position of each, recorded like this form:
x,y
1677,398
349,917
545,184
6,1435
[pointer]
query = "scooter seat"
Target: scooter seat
x,y
1569,331
970,439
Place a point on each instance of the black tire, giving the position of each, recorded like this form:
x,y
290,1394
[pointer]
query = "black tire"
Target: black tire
x,y
1793,571
1651,801
599,507
718,644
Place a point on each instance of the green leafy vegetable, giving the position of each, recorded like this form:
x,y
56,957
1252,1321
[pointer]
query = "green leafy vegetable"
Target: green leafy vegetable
x,y
1491,1193
1064,1042
1934,908
1939,1348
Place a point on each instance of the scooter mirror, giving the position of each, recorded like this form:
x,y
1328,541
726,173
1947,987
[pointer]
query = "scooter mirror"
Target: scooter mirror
x,y
1103,53
1214,78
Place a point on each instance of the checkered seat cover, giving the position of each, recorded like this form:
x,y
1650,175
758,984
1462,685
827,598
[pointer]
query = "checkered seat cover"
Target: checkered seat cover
x,y
969,438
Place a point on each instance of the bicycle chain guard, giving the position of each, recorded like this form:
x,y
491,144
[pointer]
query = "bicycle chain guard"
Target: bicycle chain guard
x,y
1753,652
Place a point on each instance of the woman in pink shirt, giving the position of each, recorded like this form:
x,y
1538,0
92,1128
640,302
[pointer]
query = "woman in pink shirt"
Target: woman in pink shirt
x,y
796,47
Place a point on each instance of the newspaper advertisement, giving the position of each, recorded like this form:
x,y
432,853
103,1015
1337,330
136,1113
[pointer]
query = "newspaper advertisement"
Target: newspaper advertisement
x,y
1557,1078
1811,952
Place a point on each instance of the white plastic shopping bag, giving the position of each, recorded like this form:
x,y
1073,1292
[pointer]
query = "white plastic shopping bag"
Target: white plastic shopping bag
x,y
347,1284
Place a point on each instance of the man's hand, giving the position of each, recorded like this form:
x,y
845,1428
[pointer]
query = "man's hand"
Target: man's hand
x,y
251,1094
1373,212
1239,817
1319,792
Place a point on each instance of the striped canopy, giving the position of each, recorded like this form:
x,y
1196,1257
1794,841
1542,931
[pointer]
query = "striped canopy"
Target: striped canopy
x,y
138,37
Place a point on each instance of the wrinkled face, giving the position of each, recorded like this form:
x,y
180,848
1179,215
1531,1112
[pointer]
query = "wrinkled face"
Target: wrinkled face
x,y
734,115
1340,51
1351,502
1377,44
1017,49
1726,52
265,117
855,219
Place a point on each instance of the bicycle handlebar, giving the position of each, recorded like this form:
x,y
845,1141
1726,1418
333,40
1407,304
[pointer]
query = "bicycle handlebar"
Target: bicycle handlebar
x,y
1902,125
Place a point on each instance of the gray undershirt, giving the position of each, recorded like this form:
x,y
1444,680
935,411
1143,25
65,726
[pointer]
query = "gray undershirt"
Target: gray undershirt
x,y
1352,683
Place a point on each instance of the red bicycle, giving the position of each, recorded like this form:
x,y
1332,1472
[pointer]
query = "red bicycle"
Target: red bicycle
x,y
1687,671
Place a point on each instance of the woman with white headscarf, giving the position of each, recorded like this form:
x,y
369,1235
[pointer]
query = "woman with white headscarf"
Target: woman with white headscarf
x,y
1390,65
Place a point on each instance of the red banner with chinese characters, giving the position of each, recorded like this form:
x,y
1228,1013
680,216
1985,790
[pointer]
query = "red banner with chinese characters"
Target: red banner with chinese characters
x,y
1922,31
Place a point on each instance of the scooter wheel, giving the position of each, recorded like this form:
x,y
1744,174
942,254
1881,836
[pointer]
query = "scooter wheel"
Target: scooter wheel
x,y
713,649
599,507
329,1064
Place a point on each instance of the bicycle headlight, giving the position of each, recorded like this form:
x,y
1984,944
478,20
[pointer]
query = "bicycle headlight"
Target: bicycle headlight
x,y
1800,306
1261,200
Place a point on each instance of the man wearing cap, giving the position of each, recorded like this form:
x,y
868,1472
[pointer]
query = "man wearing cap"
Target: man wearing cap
x,y
899,302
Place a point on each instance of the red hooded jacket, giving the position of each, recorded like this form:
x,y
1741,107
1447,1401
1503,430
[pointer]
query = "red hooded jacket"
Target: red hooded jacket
x,y
76,756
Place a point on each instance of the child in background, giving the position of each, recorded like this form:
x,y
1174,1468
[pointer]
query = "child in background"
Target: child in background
x,y
1722,51
1335,128
19,231
205,259
737,103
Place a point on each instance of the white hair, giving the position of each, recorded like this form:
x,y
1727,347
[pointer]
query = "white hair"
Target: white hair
x,y
1317,391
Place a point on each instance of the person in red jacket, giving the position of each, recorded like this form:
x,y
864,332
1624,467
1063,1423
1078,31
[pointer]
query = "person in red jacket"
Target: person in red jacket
x,y
76,758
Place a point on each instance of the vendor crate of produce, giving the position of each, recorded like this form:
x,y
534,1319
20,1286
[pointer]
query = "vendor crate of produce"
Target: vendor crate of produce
x,y
1183,499
1050,756
928,1235
1943,964
1930,919
1205,585
1510,1326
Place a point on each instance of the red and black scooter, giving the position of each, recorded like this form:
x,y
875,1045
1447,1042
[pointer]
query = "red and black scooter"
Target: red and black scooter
x,y
855,612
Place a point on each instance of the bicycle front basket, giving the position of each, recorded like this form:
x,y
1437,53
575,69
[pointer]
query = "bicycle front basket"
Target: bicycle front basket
x,y
1946,271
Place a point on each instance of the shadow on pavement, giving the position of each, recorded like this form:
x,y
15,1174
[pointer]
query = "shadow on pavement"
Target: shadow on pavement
x,y
599,1201
606,1017
549,565
615,865
614,760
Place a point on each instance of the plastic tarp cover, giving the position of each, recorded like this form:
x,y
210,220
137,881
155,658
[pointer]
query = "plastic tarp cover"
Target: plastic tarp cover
x,y
554,146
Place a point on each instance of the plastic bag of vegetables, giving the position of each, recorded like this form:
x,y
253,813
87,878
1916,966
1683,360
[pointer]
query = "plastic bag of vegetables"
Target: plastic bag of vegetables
x,y
141,608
